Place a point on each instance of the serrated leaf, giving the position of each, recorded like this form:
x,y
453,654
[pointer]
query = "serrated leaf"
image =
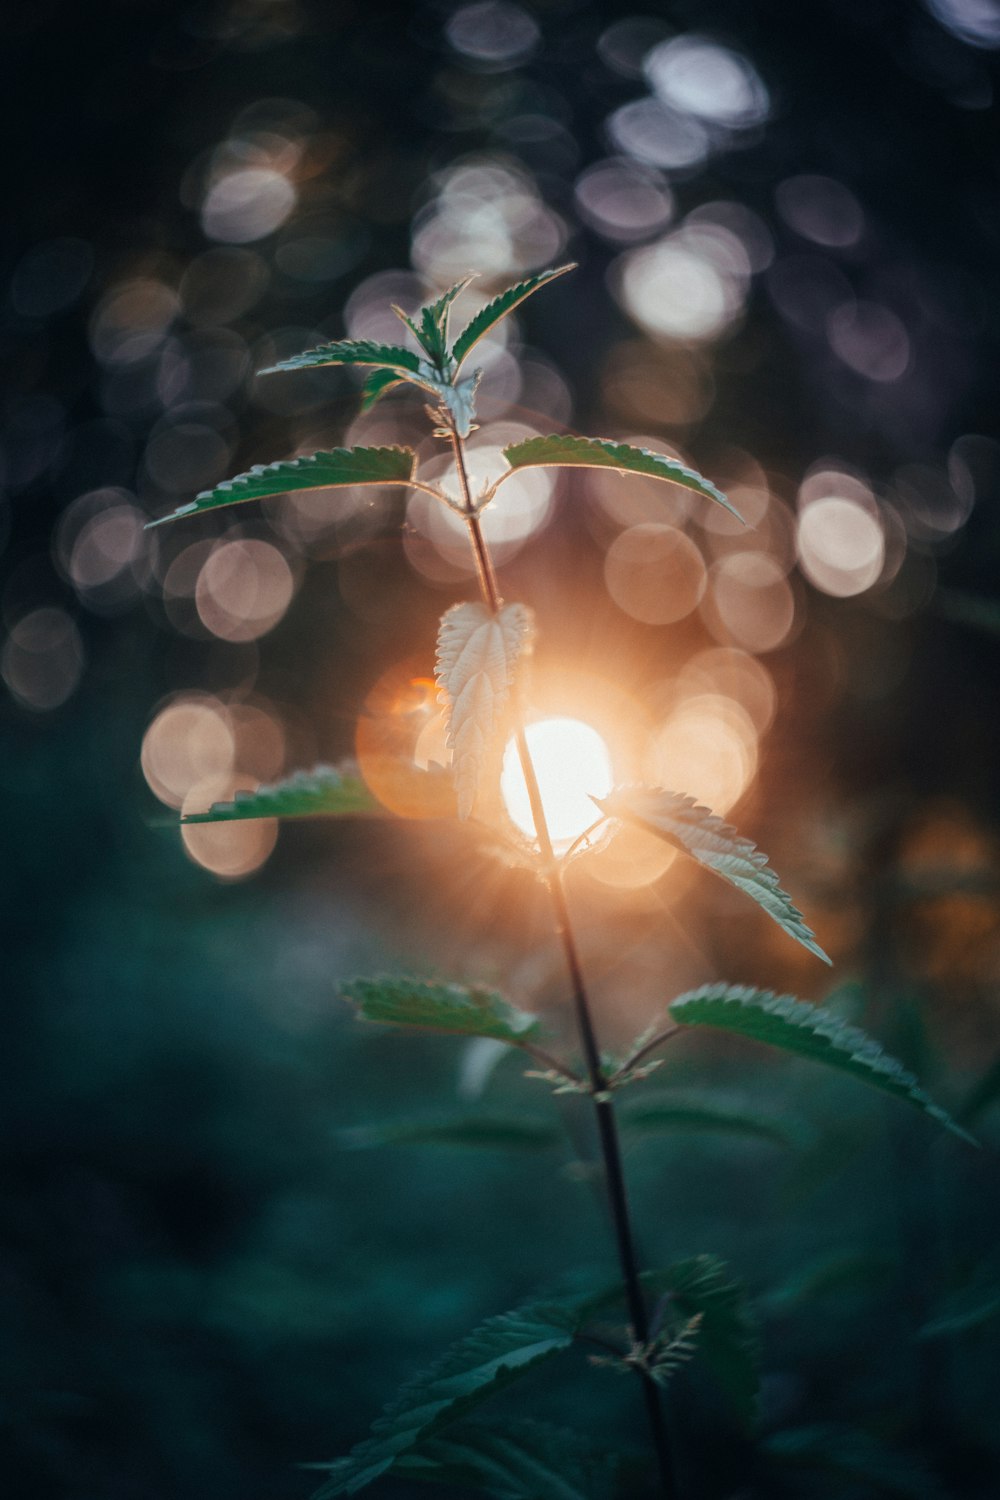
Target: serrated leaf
x,y
477,658
599,453
523,1460
847,1452
676,1111
377,384
475,1132
727,1336
323,792
434,322
806,1031
318,471
843,1271
466,1011
499,1352
349,352
682,822
500,306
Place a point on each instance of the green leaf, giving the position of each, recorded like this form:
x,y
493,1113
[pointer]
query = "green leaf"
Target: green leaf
x,y
805,1030
350,352
442,1007
968,1308
847,1452
376,385
499,1352
319,471
676,1111
680,821
434,322
478,1132
505,303
727,1336
323,792
598,453
523,1460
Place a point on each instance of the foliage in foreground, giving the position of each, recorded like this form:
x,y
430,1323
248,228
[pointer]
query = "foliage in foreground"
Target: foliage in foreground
x,y
690,1310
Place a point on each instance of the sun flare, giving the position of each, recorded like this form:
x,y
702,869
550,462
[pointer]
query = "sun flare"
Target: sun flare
x,y
572,764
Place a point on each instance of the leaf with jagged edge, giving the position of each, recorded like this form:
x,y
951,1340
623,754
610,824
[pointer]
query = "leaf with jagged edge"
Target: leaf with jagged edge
x,y
459,1009
318,471
696,831
727,1334
433,333
349,352
500,306
471,1132
376,385
522,1460
477,657
324,792
806,1031
852,1455
655,1114
599,453
499,1352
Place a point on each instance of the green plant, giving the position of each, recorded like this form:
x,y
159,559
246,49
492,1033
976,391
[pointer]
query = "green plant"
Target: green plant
x,y
690,1309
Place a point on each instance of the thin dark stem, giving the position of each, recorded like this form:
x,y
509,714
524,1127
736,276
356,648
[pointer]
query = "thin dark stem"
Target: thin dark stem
x,y
607,1128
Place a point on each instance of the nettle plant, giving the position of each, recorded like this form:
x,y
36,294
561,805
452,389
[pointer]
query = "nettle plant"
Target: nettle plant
x,y
689,1309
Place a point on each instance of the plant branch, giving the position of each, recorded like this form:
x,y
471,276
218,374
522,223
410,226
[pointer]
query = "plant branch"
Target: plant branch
x,y
548,1061
607,1127
644,1051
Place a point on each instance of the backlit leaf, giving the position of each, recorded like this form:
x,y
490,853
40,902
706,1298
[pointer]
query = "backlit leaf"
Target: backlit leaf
x,y
505,303
453,1008
433,333
323,792
806,1031
459,397
477,657
680,821
597,453
376,384
318,471
477,1367
350,352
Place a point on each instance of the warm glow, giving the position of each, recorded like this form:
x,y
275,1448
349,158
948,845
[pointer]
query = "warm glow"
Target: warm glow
x,y
572,764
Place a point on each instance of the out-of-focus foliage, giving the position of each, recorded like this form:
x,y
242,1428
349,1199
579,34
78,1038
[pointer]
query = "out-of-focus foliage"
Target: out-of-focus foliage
x,y
786,226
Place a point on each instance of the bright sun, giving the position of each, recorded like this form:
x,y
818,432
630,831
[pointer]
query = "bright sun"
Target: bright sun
x,y
572,764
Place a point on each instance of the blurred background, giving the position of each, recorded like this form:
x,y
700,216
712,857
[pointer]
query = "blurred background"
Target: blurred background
x,y
234,1218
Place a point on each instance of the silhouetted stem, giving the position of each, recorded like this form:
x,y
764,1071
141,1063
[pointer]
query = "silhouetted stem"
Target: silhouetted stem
x,y
607,1127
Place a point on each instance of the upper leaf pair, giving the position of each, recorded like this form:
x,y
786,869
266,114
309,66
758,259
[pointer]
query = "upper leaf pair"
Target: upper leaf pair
x,y
431,334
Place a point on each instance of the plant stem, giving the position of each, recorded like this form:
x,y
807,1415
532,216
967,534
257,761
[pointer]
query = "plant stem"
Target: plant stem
x,y
607,1126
